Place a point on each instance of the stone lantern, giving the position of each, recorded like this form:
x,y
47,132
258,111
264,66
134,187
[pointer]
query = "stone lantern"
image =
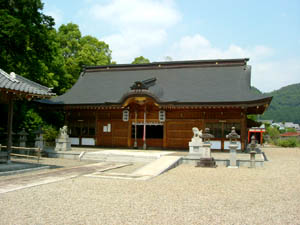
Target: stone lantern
x,y
22,138
39,142
206,160
252,151
233,136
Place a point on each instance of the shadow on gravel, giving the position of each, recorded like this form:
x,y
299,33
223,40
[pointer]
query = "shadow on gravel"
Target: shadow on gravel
x,y
16,166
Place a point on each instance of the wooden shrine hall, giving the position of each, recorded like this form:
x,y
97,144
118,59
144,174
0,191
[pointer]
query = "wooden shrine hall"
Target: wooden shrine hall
x,y
156,105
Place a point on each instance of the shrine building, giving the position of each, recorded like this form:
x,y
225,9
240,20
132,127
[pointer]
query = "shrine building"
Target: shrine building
x,y
156,105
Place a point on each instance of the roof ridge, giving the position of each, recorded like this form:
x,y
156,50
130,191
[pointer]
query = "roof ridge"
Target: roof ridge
x,y
172,64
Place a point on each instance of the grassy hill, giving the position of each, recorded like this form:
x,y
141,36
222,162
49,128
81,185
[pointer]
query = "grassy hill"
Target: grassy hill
x,y
285,105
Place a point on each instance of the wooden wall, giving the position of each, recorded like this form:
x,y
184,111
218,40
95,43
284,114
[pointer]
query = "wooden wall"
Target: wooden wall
x,y
177,127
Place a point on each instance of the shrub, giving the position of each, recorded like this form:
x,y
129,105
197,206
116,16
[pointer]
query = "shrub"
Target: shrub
x,y
50,133
273,132
288,142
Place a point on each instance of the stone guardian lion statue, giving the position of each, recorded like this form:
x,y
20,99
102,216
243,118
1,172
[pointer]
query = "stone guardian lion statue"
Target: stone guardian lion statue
x,y
197,133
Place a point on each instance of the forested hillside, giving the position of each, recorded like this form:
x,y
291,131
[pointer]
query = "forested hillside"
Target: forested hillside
x,y
285,106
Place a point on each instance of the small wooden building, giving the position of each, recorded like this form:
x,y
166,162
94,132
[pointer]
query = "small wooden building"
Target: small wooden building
x,y
156,105
15,88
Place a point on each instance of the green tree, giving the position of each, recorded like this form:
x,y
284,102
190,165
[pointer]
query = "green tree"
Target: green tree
x,y
273,132
29,47
28,42
78,51
140,60
93,52
252,117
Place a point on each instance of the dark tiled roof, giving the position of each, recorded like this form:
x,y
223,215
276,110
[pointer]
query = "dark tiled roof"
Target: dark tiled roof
x,y
14,82
199,82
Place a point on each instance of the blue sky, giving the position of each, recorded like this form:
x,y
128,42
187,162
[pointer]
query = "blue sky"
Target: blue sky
x,y
267,32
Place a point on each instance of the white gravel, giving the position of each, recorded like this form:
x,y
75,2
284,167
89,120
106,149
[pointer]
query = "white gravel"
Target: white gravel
x,y
184,195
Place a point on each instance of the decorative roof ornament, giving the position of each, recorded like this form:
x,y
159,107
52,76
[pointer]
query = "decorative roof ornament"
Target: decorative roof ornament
x,y
23,86
145,84
11,76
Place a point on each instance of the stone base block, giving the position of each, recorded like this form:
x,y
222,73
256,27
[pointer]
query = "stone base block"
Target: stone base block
x,y
63,146
207,162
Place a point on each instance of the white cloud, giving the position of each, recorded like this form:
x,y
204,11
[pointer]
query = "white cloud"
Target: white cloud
x,y
127,45
198,47
272,75
267,74
137,13
57,14
140,25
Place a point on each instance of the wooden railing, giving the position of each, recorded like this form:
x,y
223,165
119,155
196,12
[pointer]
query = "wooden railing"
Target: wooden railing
x,y
27,151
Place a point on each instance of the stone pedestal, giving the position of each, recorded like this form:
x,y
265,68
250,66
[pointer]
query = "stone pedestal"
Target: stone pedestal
x,y
22,143
206,160
252,159
39,142
62,144
232,162
22,138
196,148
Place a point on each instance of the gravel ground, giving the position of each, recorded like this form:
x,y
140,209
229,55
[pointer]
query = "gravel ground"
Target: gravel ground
x,y
184,195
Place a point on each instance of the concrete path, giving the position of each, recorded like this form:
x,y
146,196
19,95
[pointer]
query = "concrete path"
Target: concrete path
x,y
149,171
99,170
18,183
158,166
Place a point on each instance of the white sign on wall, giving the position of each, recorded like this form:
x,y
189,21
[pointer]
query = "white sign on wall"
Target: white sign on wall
x,y
88,141
107,128
125,115
104,129
162,115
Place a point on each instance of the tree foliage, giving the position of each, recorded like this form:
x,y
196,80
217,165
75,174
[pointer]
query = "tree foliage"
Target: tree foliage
x,y
140,60
31,47
273,132
79,51
28,42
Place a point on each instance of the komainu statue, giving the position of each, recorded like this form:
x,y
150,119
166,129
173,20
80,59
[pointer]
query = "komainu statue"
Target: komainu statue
x,y
63,132
197,133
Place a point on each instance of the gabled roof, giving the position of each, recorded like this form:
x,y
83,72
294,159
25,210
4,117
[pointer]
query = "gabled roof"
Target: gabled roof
x,y
180,82
15,83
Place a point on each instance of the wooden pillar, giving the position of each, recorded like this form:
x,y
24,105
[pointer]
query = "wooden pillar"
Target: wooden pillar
x,y
66,118
165,135
9,125
245,131
135,130
96,127
144,134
